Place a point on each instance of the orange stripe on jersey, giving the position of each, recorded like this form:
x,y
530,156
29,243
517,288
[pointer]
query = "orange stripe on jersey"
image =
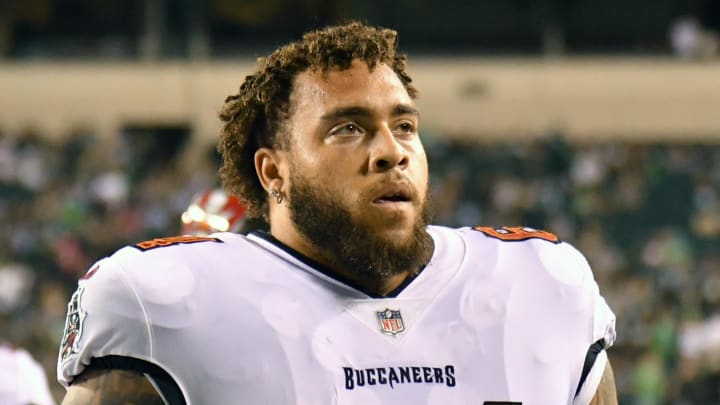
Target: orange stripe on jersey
x,y
174,240
90,273
517,233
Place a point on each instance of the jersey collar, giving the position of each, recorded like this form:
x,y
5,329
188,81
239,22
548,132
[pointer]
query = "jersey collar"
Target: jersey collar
x,y
325,271
446,260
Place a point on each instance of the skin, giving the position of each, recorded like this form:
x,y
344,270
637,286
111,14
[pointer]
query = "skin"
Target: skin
x,y
606,393
353,131
111,387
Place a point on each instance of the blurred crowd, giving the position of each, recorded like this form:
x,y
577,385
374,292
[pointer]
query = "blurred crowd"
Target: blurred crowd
x,y
647,216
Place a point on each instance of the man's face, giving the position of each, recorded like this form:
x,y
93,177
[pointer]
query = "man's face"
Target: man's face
x,y
358,171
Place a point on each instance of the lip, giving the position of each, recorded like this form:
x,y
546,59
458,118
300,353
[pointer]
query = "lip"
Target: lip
x,y
392,194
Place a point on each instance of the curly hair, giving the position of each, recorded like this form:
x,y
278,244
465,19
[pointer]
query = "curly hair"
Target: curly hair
x,y
253,118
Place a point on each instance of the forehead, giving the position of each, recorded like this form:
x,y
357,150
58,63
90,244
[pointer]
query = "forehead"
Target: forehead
x,y
357,86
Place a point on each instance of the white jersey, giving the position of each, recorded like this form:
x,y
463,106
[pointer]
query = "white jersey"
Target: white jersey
x,y
22,378
504,316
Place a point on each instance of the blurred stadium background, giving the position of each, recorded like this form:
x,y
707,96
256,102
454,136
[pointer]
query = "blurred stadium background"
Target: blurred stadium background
x,y
598,120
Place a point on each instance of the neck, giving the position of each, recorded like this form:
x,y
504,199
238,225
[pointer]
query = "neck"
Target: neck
x,y
375,285
373,256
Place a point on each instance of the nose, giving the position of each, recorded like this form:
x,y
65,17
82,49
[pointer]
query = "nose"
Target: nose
x,y
386,152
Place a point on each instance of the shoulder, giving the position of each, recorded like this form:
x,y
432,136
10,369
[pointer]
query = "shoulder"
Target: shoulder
x,y
166,253
177,246
162,270
541,258
516,234
154,262
528,248
123,297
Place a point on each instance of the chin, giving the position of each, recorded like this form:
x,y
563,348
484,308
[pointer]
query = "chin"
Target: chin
x,y
395,234
397,220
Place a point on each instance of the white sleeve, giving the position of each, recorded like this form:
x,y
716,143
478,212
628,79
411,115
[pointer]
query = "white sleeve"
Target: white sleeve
x,y
590,386
569,265
604,322
105,317
603,330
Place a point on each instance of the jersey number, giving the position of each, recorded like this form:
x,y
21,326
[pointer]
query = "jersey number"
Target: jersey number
x,y
175,240
517,233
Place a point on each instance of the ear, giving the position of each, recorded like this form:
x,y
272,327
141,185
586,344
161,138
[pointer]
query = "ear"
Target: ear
x,y
270,168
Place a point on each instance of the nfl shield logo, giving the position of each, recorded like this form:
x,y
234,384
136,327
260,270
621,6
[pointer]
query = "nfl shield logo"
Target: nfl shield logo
x,y
391,321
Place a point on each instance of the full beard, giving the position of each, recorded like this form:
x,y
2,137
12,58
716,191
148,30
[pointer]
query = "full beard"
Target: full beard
x,y
353,246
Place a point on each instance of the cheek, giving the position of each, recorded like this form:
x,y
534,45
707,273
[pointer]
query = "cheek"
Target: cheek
x,y
324,160
332,178
421,172
339,169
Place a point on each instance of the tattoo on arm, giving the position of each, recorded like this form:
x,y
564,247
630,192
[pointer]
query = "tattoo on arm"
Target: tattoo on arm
x,y
112,387
606,394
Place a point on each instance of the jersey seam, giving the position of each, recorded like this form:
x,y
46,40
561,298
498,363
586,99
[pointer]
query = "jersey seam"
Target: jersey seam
x,y
129,284
458,268
448,282
456,273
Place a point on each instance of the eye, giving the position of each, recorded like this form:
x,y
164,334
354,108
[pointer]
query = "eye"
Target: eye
x,y
349,128
405,127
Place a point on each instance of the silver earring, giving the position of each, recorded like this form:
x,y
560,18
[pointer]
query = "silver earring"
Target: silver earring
x,y
278,196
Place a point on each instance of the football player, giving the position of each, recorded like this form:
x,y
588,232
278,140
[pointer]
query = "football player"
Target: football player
x,y
351,297
22,378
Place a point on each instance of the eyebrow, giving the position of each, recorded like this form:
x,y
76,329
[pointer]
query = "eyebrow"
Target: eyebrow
x,y
357,111
405,109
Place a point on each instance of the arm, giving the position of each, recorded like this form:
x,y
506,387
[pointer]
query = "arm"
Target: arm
x,y
605,394
112,387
